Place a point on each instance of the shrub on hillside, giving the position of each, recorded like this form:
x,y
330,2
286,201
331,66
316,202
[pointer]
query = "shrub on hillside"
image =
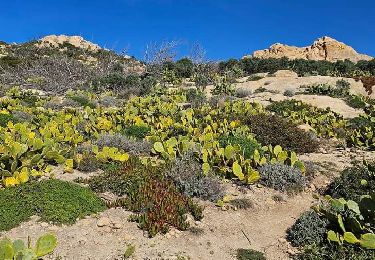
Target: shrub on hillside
x,y
137,131
188,176
242,93
249,254
289,92
21,116
89,163
247,145
196,97
184,68
282,177
53,200
122,179
128,144
83,100
155,200
308,229
353,183
275,130
5,118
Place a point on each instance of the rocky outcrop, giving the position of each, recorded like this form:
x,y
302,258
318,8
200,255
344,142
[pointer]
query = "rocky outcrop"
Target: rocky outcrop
x,y
58,40
324,48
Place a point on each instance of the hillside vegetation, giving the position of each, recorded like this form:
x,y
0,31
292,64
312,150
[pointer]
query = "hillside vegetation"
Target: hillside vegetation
x,y
86,133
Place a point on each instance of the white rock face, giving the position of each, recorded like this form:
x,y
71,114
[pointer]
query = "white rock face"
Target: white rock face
x,y
77,41
325,48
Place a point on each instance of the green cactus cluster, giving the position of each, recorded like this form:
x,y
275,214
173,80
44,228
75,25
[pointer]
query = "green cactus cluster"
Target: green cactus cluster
x,y
18,250
354,221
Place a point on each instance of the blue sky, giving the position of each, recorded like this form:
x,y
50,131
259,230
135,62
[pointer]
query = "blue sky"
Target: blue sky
x,y
225,28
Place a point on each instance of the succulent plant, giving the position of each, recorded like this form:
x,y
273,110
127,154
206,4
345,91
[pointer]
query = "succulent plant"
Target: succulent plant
x,y
17,249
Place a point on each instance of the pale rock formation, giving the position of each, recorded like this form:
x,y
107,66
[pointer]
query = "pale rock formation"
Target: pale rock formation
x,y
77,41
324,48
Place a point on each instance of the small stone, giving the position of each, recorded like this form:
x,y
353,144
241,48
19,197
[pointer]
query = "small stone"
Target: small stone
x,y
282,240
104,221
107,229
117,225
44,224
172,232
128,237
54,228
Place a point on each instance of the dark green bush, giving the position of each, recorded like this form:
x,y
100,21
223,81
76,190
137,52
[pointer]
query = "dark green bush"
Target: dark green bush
x,y
10,61
249,254
353,183
356,101
252,65
275,130
308,229
53,200
137,131
196,97
89,163
184,68
122,179
82,100
247,145
5,118
254,78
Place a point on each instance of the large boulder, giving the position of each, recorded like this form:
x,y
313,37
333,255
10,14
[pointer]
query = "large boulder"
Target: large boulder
x,y
324,48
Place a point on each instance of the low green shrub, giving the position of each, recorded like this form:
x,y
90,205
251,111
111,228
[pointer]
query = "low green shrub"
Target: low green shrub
x,y
53,200
187,174
356,101
242,92
275,130
5,118
196,97
254,78
137,131
249,254
308,229
282,177
353,183
248,146
122,179
324,122
289,93
82,100
89,163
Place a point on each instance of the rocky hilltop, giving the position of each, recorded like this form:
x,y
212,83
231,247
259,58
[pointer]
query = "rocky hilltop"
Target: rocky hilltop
x,y
324,48
58,40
